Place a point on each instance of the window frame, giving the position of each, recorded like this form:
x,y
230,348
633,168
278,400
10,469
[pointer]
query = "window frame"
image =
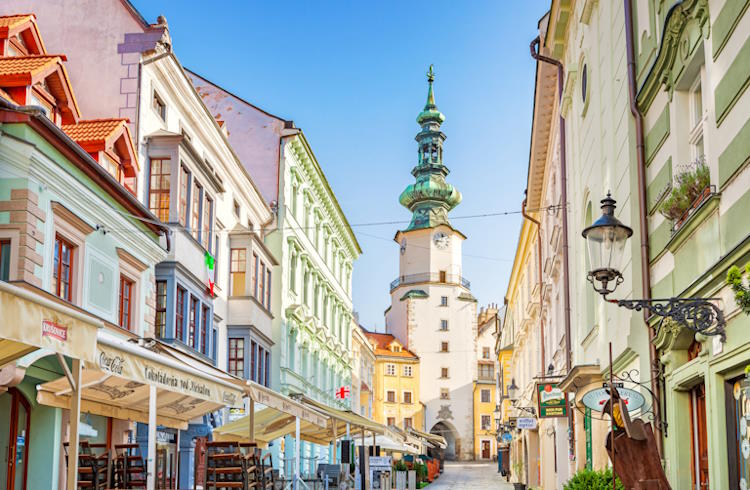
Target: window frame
x,y
184,186
237,266
57,265
390,396
180,305
205,316
125,312
159,191
196,211
410,369
158,105
232,356
444,347
192,331
390,369
160,328
443,301
482,392
404,397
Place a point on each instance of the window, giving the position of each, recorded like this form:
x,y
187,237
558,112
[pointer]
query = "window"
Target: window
x,y
408,424
62,276
236,364
268,288
485,371
443,276
254,285
443,346
195,215
485,396
237,272
295,189
485,352
584,83
126,294
486,422
159,106
184,197
407,397
205,320
158,189
236,208
253,360
267,379
390,370
408,371
208,210
390,396
443,300
4,260
444,325
192,331
444,373
293,273
696,118
261,365
396,348
180,315
262,285
391,420
445,394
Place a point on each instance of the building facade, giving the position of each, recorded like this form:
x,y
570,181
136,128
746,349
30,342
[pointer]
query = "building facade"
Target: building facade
x,y
485,386
363,371
692,71
432,311
396,383
315,248
74,241
212,293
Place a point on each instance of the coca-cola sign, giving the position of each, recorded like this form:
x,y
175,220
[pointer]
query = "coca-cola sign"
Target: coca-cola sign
x,y
54,330
111,363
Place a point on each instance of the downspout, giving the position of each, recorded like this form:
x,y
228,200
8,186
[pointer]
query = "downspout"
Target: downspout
x,y
642,218
541,289
564,198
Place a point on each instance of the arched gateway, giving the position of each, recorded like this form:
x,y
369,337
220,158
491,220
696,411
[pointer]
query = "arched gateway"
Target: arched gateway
x,y
446,430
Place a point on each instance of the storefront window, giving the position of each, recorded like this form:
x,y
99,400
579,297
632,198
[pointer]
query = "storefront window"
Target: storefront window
x,y
738,436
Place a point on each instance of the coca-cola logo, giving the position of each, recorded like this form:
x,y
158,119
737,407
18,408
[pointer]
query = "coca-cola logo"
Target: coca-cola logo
x,y
113,364
54,330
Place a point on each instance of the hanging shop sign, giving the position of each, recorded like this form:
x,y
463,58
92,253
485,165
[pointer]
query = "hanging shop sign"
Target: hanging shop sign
x,y
551,401
528,423
595,399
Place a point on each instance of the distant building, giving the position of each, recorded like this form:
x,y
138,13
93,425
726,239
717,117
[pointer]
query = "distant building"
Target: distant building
x,y
363,370
396,383
432,312
485,385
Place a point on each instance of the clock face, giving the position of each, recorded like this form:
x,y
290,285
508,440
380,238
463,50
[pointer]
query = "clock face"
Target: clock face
x,y
441,240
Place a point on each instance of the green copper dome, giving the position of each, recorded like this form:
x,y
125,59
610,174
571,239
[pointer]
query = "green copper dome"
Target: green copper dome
x,y
430,197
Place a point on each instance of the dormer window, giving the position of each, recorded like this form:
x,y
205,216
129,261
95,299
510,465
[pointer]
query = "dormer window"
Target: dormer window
x,y
159,106
395,348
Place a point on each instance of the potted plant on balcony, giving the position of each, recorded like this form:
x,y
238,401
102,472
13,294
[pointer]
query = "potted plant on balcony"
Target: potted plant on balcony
x,y
690,189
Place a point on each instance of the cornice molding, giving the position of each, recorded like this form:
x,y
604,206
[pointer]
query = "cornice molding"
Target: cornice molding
x,y
685,24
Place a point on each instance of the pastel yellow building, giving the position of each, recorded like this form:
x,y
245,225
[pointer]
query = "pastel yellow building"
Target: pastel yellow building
x,y
395,383
485,384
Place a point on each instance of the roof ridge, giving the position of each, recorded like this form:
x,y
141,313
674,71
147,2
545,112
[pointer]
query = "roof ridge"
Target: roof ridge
x,y
34,56
100,119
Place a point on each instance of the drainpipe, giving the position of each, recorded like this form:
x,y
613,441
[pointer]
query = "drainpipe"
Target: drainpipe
x,y
564,197
642,219
541,289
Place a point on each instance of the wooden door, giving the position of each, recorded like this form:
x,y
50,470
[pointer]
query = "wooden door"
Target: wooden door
x,y
18,441
486,450
699,437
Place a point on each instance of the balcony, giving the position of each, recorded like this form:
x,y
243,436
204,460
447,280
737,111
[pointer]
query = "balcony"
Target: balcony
x,y
434,277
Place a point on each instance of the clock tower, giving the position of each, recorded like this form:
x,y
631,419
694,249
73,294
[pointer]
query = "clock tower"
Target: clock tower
x,y
433,312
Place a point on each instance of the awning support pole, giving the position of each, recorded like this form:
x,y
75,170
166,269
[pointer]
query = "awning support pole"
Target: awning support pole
x,y
296,453
66,370
334,440
74,378
251,419
348,431
151,462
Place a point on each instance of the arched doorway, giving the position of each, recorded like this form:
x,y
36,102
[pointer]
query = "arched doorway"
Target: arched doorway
x,y
449,433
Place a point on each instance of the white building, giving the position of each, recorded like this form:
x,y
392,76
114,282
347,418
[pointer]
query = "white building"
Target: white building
x,y
432,310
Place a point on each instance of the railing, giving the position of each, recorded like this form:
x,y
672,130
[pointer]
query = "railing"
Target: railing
x,y
431,277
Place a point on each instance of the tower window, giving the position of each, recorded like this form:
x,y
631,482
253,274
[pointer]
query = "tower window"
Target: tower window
x,y
445,394
443,346
444,301
444,325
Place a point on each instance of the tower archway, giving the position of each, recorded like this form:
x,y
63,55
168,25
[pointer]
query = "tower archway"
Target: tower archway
x,y
450,434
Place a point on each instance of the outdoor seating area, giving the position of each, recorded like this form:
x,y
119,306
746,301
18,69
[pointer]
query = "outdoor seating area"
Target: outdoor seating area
x,y
98,468
237,465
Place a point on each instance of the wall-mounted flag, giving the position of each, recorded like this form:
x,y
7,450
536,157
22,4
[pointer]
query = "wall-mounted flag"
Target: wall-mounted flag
x,y
210,262
342,392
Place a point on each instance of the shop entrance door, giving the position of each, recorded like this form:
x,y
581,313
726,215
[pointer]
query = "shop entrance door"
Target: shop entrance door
x,y
699,439
486,450
17,443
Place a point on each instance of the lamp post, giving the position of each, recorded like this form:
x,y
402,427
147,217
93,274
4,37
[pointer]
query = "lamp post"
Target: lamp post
x,y
605,240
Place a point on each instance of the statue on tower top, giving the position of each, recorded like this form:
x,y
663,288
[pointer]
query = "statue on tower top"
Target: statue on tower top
x,y
430,197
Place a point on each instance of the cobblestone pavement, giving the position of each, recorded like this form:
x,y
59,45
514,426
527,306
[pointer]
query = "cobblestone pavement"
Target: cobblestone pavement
x,y
472,476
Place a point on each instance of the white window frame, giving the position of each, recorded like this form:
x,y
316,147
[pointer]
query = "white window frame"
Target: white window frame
x,y
390,369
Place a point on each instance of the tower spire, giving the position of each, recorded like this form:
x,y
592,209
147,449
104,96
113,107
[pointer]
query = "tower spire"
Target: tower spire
x,y
430,197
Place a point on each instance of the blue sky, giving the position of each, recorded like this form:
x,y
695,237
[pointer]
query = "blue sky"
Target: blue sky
x,y
352,75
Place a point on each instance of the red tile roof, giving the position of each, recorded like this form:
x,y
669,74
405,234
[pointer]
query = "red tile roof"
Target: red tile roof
x,y
24,24
8,22
28,65
382,345
93,130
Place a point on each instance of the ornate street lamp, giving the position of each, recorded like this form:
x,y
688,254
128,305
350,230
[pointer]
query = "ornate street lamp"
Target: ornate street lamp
x,y
605,240
512,389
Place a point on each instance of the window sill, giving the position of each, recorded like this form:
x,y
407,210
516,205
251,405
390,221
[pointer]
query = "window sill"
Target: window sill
x,y
690,223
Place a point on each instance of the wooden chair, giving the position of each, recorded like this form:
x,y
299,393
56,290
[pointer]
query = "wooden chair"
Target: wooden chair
x,y
92,468
267,472
228,467
129,467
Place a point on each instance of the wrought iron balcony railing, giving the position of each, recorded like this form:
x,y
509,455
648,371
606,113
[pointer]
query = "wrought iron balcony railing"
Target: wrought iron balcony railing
x,y
437,277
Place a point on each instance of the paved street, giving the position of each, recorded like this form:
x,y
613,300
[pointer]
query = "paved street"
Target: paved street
x,y
471,476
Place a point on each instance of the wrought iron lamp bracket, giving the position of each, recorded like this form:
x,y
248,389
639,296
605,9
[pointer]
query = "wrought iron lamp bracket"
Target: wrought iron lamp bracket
x,y
697,314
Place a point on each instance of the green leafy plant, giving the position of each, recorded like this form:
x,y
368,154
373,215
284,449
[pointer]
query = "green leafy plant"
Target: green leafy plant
x,y
592,480
741,293
421,470
688,186
400,465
